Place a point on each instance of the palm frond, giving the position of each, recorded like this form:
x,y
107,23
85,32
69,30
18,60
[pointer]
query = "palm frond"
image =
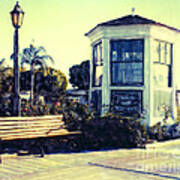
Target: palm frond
x,y
2,61
25,61
46,57
32,48
41,63
35,56
39,50
5,69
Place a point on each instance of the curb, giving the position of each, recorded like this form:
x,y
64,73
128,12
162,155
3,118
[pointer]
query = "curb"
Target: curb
x,y
161,145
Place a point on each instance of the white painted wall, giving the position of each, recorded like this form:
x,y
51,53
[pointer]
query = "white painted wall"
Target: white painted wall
x,y
173,37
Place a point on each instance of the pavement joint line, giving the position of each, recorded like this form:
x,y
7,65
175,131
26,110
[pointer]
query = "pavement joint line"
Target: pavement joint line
x,y
134,171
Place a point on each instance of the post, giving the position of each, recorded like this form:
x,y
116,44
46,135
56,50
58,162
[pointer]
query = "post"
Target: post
x,y
17,104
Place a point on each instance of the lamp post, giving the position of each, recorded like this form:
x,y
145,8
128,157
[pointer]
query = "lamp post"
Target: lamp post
x,y
17,16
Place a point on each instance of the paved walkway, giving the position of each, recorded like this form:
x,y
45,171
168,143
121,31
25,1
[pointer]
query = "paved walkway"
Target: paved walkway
x,y
150,164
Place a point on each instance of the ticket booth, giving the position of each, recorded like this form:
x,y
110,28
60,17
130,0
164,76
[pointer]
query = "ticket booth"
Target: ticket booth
x,y
134,68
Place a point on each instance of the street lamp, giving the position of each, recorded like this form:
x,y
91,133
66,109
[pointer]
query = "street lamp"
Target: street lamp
x,y
17,16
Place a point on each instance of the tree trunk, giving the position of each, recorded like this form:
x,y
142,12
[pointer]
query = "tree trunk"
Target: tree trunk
x,y
32,85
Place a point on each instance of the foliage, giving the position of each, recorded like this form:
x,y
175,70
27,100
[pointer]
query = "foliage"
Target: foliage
x,y
37,109
5,73
34,56
79,75
157,132
76,115
166,129
51,85
161,132
54,85
6,89
114,131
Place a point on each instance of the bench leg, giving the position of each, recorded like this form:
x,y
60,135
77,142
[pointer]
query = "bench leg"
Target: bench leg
x,y
1,151
38,144
41,151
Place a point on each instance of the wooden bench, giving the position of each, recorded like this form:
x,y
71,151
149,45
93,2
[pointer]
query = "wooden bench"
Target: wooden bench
x,y
23,128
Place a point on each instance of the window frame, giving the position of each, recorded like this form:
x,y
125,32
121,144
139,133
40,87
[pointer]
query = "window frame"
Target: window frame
x,y
136,84
126,112
164,61
95,64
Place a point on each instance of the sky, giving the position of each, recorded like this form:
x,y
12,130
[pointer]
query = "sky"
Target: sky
x,y
60,25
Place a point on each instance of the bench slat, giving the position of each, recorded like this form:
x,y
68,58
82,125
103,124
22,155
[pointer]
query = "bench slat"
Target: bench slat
x,y
27,126
61,132
32,127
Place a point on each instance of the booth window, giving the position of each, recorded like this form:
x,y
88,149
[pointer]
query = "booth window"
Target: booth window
x,y
127,62
162,57
97,65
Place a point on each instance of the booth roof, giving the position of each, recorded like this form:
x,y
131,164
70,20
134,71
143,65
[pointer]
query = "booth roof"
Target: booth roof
x,y
130,20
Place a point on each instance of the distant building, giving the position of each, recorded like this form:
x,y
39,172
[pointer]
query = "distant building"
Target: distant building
x,y
135,66
77,95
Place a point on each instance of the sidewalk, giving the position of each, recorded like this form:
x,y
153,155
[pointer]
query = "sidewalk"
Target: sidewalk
x,y
160,161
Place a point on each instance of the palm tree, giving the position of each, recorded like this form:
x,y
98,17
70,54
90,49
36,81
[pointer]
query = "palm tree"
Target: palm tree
x,y
34,56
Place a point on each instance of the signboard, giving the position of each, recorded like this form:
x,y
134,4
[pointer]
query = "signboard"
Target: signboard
x,y
126,102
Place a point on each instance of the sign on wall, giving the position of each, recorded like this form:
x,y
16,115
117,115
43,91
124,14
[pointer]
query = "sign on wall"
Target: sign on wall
x,y
126,102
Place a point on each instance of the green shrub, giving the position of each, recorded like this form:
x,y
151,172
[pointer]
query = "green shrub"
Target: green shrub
x,y
114,131
76,115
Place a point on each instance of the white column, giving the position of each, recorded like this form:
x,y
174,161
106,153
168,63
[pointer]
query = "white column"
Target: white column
x,y
91,76
174,80
106,76
148,82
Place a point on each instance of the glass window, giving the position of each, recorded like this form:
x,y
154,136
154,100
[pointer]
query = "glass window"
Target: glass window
x,y
127,73
127,62
97,65
96,101
163,52
156,50
168,54
162,64
126,102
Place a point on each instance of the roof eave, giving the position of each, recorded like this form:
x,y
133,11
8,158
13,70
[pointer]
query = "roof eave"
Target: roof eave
x,y
89,32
